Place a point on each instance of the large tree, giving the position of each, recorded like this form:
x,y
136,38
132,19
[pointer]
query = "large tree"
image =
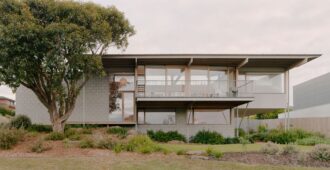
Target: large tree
x,y
53,47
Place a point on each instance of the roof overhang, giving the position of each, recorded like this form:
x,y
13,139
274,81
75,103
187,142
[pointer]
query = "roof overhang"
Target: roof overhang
x,y
286,61
184,102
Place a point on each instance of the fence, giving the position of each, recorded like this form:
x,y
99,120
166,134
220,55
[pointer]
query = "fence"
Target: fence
x,y
321,125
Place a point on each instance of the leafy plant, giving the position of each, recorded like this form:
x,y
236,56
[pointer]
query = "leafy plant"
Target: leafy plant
x,y
86,131
40,128
208,137
119,131
55,136
5,112
181,152
213,153
313,140
289,149
233,140
86,143
39,147
10,137
20,121
321,152
161,136
244,143
262,128
270,148
106,144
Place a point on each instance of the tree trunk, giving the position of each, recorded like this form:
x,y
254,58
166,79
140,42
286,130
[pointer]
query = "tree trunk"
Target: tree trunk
x,y
58,126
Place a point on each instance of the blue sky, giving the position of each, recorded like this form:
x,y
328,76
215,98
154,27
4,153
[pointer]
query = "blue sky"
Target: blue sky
x,y
237,26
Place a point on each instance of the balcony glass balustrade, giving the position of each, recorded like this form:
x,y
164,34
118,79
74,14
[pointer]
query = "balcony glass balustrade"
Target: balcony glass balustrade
x,y
194,88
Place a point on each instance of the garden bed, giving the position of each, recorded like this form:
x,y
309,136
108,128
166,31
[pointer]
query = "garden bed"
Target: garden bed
x,y
260,158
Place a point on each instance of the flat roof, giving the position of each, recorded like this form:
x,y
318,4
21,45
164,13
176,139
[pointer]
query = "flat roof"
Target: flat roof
x,y
286,61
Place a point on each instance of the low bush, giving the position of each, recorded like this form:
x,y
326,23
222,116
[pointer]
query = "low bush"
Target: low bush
x,y
72,134
20,121
55,136
262,128
213,153
40,128
233,140
10,137
86,131
208,137
105,144
289,149
119,131
142,144
181,152
161,136
321,152
86,143
270,148
313,140
241,132
5,112
39,147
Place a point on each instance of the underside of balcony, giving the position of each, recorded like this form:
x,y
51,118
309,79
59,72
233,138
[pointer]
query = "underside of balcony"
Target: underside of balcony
x,y
195,102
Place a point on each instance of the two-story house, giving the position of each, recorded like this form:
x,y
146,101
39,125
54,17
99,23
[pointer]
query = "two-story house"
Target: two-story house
x,y
7,103
183,92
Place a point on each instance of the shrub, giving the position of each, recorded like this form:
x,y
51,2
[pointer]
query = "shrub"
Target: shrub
x,y
313,140
86,131
161,136
20,121
55,136
181,152
106,144
261,137
270,148
118,148
321,152
262,128
39,147
208,137
40,128
5,112
10,137
241,132
119,131
289,149
142,144
230,140
86,143
213,153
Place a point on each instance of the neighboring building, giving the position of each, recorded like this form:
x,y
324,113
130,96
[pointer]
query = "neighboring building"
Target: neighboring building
x,y
311,98
183,92
7,103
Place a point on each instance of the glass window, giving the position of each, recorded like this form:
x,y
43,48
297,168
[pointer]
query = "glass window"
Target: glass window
x,y
125,82
267,82
128,107
116,110
141,117
207,116
175,81
218,82
161,117
155,81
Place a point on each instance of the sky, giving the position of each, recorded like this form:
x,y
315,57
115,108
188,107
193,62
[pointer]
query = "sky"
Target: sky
x,y
231,26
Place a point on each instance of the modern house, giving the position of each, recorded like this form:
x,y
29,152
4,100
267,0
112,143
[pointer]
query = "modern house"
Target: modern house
x,y
7,103
311,99
183,92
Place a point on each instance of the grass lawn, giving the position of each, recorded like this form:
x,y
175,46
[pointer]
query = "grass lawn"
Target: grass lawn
x,y
222,148
127,163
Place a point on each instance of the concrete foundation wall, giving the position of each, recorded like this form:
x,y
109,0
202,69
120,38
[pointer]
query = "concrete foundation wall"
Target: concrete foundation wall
x,y
189,130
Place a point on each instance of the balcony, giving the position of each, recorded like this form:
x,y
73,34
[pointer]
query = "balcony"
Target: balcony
x,y
194,89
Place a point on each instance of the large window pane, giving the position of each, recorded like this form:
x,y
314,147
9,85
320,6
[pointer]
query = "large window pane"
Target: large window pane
x,y
116,114
128,107
155,81
164,117
175,81
125,82
267,83
218,82
210,117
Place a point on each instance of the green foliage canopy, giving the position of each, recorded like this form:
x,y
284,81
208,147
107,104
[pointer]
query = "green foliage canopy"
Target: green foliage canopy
x,y
53,47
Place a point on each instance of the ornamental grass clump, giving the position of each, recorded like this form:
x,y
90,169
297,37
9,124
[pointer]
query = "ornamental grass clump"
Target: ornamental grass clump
x,y
10,137
321,152
270,148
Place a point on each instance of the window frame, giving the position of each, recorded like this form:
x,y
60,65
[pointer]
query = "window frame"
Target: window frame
x,y
192,117
144,111
245,74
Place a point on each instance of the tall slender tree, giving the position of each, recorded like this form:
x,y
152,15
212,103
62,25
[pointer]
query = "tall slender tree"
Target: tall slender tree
x,y
53,47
